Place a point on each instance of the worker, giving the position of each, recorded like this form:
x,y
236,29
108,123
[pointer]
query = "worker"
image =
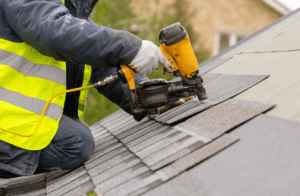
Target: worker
x,y
46,47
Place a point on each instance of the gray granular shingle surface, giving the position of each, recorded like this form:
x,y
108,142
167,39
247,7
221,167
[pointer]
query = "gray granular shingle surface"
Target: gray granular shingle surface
x,y
104,151
183,185
133,130
226,86
158,135
177,155
176,110
128,126
53,176
198,108
113,172
38,188
99,145
266,157
169,150
68,183
27,184
197,156
122,177
78,182
219,87
154,135
215,121
140,182
26,181
82,189
65,179
96,167
140,133
159,145
106,157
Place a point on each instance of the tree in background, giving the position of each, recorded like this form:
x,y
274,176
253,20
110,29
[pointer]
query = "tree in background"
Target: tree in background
x,y
118,14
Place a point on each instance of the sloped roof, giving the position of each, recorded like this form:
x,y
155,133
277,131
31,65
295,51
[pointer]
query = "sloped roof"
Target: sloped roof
x,y
222,146
275,53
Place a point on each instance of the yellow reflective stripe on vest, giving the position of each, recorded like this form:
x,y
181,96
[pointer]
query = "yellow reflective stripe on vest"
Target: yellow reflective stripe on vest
x,y
30,86
63,1
22,121
28,68
30,54
83,93
31,104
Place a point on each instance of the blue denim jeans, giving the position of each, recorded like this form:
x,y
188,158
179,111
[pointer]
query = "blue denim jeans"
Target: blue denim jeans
x,y
72,145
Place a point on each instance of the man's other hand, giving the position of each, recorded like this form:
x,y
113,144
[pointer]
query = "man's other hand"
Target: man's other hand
x,y
147,59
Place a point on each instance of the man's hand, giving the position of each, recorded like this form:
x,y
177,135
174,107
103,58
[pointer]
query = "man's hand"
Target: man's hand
x,y
147,59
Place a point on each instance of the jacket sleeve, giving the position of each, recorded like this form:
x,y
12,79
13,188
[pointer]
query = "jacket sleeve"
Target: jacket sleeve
x,y
49,27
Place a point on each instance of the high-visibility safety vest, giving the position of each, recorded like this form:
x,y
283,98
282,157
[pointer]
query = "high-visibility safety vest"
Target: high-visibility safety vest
x,y
28,79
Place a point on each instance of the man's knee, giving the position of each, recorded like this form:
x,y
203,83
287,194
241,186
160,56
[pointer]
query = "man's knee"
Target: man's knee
x,y
87,145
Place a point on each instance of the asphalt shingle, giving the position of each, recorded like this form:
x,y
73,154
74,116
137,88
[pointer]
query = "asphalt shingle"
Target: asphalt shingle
x,y
150,138
123,120
26,185
177,155
140,126
186,113
104,151
219,88
266,157
52,176
123,128
26,181
105,157
116,170
122,177
169,150
78,182
36,191
197,156
66,179
141,183
140,133
104,143
3,185
217,120
176,110
82,189
95,169
159,145
183,185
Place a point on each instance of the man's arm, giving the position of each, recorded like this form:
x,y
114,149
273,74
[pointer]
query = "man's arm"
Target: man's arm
x,y
49,27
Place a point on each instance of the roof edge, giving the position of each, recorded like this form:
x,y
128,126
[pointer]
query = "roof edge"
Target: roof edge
x,y
279,6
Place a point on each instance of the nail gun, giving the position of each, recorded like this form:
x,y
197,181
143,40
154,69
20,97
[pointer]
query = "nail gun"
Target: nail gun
x,y
150,95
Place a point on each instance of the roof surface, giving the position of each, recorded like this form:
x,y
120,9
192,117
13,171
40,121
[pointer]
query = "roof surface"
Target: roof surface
x,y
225,145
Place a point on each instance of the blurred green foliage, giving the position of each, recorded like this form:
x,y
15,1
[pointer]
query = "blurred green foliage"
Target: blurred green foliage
x,y
91,193
118,14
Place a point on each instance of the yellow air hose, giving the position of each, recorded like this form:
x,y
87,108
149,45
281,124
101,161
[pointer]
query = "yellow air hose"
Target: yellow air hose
x,y
100,83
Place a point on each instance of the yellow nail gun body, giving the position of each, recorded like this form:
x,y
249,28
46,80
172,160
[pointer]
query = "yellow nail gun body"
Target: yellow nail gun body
x,y
152,94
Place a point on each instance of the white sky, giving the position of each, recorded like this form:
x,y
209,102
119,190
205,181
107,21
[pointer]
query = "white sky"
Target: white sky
x,y
294,4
